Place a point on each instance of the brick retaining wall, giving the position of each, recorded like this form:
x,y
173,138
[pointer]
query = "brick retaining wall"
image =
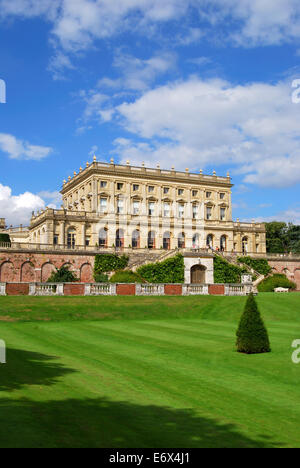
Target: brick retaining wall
x,y
17,289
125,289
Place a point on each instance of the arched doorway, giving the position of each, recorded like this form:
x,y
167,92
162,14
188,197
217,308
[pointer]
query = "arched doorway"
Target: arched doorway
x,y
223,243
120,239
245,245
198,274
181,240
135,241
103,238
210,241
27,273
151,240
196,243
167,241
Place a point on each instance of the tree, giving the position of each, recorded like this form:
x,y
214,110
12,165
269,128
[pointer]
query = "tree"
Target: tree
x,y
63,275
252,335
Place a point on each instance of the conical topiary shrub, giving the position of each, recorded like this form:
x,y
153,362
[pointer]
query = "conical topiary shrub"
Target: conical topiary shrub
x,y
252,335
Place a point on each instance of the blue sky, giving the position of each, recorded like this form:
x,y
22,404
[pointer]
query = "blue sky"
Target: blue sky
x,y
195,83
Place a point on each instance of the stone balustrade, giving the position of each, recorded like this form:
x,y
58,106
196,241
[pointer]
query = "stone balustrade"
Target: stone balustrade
x,y
112,289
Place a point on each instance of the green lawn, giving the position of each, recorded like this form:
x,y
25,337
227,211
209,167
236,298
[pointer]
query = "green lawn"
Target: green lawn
x,y
146,372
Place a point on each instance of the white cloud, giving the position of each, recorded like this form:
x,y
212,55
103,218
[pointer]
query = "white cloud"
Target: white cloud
x,y
253,128
17,209
18,149
52,199
137,74
77,24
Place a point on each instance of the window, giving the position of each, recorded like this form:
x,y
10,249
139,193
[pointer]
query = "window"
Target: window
x,y
166,210
151,208
71,239
87,241
119,186
180,191
103,205
150,189
195,193
181,241
208,212
195,211
208,194
166,190
136,207
135,240
135,187
103,184
103,238
180,210
222,214
120,206
55,239
222,196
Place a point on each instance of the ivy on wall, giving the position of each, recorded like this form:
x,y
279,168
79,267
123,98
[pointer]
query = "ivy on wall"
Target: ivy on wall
x,y
168,271
260,265
225,272
109,262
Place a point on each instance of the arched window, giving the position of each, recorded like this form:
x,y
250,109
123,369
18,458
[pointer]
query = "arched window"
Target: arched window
x,y
196,243
223,243
151,240
167,241
210,241
71,238
103,238
245,245
181,240
120,238
135,241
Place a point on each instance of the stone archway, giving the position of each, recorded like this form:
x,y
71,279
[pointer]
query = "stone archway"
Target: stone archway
x,y
8,274
198,274
27,273
47,270
86,273
297,278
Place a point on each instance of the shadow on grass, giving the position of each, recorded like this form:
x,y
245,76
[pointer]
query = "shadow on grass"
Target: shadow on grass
x,y
29,368
113,424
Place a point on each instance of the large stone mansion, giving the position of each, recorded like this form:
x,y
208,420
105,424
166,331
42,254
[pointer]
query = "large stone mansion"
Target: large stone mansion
x,y
124,206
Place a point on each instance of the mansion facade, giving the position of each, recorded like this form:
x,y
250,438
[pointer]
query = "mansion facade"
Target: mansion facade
x,y
108,205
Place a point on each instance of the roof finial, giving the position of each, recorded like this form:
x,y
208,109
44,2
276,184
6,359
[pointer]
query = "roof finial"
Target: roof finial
x,y
87,164
95,158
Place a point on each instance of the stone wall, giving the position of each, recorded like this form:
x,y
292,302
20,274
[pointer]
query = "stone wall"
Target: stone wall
x,y
28,267
289,267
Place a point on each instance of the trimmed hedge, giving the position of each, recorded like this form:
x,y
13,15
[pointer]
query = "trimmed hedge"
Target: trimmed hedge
x,y
275,281
126,276
109,262
260,265
252,335
225,272
167,271
100,278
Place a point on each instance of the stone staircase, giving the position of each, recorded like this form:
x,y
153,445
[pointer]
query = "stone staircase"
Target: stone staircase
x,y
138,259
233,259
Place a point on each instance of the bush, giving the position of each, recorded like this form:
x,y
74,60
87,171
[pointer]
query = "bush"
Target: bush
x,y
275,281
126,276
100,278
4,238
260,265
109,262
225,272
168,271
63,275
252,335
